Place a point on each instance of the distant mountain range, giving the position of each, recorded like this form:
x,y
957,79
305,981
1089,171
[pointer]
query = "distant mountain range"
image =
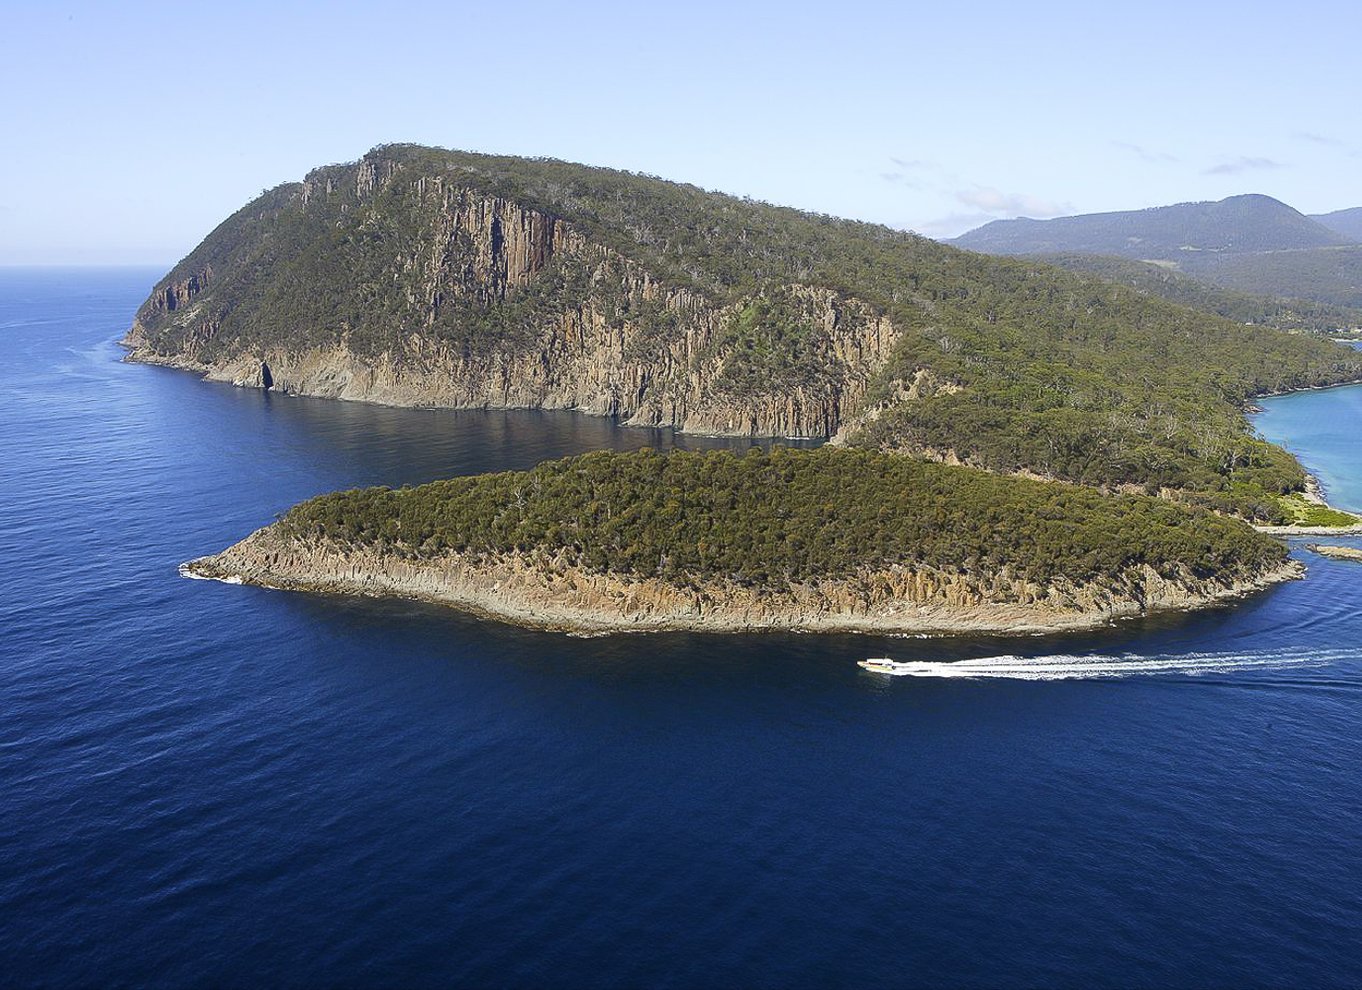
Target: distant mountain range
x,y
1248,244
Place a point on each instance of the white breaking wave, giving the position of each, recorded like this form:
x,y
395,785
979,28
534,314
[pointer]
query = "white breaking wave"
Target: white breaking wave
x,y
185,572
1066,667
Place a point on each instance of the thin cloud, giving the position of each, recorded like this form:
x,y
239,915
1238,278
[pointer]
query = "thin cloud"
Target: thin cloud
x,y
1322,139
907,172
1326,141
1145,154
900,179
996,201
1243,164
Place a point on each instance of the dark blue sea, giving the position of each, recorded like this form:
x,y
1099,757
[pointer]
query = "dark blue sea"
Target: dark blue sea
x,y
208,785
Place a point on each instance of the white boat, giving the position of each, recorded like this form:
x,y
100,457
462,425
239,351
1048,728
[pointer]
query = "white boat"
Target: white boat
x,y
883,665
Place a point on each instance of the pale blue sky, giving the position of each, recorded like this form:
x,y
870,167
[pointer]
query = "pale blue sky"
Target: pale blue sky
x,y
131,129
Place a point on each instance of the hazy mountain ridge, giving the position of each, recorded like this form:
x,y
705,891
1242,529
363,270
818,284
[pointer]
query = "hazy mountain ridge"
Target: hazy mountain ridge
x,y
1250,244
1237,225
1345,222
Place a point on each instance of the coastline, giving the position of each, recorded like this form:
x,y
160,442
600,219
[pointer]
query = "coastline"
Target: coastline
x,y
553,598
1314,492
1314,489
1251,407
324,383
1352,530
1335,552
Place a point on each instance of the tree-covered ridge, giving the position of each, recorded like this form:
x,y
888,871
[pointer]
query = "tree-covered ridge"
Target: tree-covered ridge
x,y
1281,313
767,521
1332,275
1039,370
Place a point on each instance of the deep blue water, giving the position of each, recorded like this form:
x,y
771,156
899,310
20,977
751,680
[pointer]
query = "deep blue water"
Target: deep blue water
x,y
203,784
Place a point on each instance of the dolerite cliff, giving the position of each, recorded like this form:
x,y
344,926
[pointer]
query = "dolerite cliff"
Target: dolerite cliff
x,y
420,289
550,595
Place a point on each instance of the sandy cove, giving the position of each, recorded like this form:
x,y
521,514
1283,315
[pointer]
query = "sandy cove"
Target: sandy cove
x,y
555,597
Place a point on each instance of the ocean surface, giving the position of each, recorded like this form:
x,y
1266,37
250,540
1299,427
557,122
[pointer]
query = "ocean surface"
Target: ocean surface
x,y
209,785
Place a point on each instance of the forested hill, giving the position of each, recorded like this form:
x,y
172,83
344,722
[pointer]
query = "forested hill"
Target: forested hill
x,y
1237,225
432,277
1304,315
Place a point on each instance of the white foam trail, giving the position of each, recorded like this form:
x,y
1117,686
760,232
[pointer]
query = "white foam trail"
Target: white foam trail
x,y
1067,667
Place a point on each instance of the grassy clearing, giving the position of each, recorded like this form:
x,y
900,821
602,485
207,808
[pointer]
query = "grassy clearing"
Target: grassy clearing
x,y
1303,512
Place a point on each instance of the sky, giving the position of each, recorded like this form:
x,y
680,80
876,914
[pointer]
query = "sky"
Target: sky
x,y
130,130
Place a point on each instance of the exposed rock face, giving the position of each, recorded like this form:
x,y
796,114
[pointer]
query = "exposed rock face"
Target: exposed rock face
x,y
178,294
548,594
614,338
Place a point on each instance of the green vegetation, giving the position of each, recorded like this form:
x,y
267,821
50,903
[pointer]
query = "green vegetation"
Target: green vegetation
x,y
769,342
1301,315
768,520
1300,511
1059,373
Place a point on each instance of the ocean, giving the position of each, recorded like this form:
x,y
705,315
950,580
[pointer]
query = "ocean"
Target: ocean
x,y
205,784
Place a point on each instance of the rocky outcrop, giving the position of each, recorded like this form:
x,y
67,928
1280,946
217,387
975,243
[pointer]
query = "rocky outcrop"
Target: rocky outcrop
x,y
545,593
1336,552
180,293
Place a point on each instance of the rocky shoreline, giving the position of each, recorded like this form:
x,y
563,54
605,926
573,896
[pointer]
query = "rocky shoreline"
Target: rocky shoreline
x,y
1337,553
1352,530
546,595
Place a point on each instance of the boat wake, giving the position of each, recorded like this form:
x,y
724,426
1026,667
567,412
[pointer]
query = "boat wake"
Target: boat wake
x,y
1070,667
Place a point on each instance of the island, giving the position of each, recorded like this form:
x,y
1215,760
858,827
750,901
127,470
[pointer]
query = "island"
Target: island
x,y
823,540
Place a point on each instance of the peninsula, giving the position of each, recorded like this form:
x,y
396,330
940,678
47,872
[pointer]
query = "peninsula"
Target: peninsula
x,y
418,276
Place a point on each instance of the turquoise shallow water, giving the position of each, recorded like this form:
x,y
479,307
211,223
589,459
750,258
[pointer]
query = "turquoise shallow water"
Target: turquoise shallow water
x,y
211,785
1323,429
